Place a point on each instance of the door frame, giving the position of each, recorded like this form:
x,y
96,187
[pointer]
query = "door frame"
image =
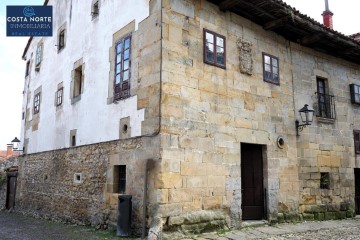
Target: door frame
x,y
264,176
8,176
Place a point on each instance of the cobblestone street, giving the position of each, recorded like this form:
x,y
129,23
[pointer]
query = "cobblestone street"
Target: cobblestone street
x,y
14,226
19,227
330,230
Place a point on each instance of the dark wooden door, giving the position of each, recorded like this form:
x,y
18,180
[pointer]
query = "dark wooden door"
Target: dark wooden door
x,y
252,182
11,191
357,190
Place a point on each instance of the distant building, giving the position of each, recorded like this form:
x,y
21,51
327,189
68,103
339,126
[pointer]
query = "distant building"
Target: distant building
x,y
356,36
190,107
8,153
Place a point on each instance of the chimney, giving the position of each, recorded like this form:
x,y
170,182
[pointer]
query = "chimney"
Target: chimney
x,y
9,150
327,16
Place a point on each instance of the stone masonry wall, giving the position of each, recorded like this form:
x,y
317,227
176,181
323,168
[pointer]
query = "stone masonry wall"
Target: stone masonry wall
x,y
47,184
207,112
327,146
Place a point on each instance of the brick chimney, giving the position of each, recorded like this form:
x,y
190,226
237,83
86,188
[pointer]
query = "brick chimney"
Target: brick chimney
x,y
327,16
9,150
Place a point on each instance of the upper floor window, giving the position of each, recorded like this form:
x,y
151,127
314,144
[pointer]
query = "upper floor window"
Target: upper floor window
x,y
62,39
38,55
214,49
122,68
95,9
271,69
355,93
59,96
37,103
357,141
326,102
27,71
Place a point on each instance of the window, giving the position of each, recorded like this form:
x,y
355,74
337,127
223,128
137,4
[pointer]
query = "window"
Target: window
x,y
214,49
37,103
78,178
326,103
95,9
122,68
324,180
38,55
78,81
73,141
119,179
27,71
61,43
355,93
73,137
271,69
59,96
357,141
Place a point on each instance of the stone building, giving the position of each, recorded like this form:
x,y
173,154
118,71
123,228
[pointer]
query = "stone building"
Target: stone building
x,y
190,107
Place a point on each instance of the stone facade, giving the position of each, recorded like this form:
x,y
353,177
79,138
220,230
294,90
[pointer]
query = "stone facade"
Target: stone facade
x,y
48,188
327,146
193,122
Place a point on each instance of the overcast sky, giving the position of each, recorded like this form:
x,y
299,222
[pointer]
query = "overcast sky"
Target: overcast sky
x,y
346,19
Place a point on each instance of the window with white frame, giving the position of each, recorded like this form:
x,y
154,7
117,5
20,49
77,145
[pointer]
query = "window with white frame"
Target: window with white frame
x,y
59,97
37,103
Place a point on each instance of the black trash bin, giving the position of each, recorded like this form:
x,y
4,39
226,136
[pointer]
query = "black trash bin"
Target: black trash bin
x,y
123,227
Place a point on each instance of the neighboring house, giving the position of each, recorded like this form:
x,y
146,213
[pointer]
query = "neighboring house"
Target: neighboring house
x,y
190,107
356,36
8,153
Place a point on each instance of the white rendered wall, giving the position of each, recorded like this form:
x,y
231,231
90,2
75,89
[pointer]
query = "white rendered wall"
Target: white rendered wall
x,y
94,119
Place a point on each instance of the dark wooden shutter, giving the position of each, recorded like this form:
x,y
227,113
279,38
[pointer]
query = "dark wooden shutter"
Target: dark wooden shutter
x,y
357,141
352,93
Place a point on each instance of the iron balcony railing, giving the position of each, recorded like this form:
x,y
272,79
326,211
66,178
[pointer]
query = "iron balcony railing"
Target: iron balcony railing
x,y
326,106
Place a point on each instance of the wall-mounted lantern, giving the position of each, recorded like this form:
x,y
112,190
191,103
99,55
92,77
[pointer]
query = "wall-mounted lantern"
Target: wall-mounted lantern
x,y
307,116
15,143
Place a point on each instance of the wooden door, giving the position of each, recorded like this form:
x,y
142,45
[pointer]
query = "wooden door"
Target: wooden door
x,y
357,190
11,190
252,182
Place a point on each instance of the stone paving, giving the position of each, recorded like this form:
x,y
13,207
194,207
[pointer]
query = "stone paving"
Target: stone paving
x,y
14,226
330,230
17,226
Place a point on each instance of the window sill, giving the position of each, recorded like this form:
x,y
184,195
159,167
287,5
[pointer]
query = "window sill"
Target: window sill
x,y
325,120
94,16
215,65
76,99
272,82
61,49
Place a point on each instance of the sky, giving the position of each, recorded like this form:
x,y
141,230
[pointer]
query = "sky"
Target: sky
x,y
346,20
